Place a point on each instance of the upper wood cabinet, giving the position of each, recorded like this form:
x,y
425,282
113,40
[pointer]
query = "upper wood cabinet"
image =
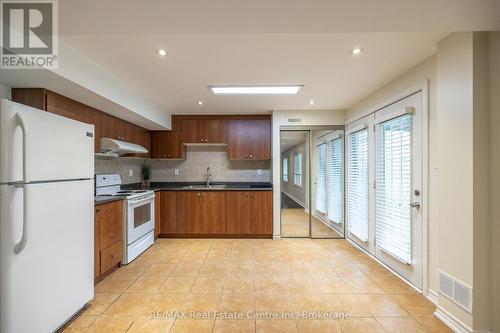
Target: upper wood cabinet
x,y
249,139
105,124
167,144
203,131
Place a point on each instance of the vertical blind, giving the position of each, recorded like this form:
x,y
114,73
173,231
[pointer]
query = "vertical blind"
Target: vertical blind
x,y
335,181
357,185
297,169
393,187
321,182
285,169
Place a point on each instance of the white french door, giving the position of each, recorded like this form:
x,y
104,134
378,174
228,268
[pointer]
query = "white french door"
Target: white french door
x,y
385,216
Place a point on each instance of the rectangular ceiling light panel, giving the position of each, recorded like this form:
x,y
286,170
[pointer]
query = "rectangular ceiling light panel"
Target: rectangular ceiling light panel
x,y
255,90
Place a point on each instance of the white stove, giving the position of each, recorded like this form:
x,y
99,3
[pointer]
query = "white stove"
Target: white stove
x,y
138,231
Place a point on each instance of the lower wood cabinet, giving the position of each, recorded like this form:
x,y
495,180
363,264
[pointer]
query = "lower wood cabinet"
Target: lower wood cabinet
x,y
250,212
216,213
157,213
108,234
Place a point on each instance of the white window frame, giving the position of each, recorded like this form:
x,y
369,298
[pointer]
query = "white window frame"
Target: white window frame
x,y
298,175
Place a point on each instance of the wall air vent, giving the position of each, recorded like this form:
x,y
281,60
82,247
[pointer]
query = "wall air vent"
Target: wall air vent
x,y
457,291
294,120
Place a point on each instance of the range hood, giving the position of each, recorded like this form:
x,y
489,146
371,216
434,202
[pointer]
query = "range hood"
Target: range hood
x,y
112,147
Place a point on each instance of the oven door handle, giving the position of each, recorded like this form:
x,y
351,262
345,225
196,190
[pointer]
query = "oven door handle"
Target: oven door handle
x,y
136,203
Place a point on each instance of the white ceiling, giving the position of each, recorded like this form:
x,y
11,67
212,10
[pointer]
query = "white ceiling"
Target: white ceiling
x,y
253,42
321,62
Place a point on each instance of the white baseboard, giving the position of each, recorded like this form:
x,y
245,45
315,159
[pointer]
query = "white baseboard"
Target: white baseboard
x,y
432,296
451,321
276,237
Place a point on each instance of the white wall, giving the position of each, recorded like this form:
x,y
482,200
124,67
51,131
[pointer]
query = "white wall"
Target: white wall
x,y
494,105
4,91
481,184
308,118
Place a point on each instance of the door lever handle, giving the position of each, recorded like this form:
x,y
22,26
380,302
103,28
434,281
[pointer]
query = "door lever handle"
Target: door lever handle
x,y
415,205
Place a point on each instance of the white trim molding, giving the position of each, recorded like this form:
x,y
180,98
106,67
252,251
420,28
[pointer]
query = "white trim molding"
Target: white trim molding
x,y
432,296
451,321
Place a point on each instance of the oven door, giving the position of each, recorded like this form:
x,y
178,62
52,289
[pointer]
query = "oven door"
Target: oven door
x,y
140,219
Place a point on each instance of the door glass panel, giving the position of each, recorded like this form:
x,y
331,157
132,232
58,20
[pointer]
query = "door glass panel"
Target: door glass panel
x,y
327,215
393,187
336,180
142,214
357,185
321,183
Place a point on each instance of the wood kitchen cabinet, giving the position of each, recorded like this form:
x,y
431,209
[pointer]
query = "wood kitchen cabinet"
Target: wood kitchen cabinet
x,y
250,213
203,131
105,124
167,144
249,139
108,234
216,214
201,213
168,212
157,213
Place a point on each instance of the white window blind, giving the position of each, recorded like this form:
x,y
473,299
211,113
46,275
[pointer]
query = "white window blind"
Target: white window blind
x,y
335,181
285,169
393,187
321,182
297,169
357,183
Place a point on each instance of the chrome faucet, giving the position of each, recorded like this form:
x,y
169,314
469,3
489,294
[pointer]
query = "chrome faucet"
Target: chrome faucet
x,y
209,174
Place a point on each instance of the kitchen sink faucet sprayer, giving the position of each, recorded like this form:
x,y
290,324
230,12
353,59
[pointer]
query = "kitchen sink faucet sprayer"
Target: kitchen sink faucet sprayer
x,y
209,174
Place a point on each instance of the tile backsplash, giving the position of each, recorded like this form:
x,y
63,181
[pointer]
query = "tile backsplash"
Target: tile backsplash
x,y
194,168
122,166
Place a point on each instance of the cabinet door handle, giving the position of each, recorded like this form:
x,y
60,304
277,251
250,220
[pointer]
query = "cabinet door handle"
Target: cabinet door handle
x,y
251,156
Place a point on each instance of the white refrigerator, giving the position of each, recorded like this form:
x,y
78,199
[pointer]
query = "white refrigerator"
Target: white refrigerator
x,y
47,218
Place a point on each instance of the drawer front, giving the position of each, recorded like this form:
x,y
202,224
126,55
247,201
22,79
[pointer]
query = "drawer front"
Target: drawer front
x,y
111,256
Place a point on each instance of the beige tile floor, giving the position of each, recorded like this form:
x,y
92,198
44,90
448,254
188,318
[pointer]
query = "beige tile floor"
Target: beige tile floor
x,y
260,285
295,223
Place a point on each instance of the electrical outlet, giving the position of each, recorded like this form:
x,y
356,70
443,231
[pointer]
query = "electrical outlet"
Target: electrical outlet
x,y
259,172
131,173
176,172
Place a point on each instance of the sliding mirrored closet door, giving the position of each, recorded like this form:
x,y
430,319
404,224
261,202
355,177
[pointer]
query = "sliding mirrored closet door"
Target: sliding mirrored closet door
x,y
312,183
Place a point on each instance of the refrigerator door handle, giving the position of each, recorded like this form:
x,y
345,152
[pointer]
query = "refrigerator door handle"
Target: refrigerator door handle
x,y
19,247
21,123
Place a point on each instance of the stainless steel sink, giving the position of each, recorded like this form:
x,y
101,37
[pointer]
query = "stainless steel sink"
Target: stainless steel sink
x,y
204,187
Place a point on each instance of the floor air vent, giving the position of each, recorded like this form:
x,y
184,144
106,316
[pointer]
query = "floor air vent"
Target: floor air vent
x,y
456,291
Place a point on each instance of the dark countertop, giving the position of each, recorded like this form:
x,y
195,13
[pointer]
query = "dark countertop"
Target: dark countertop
x,y
105,199
184,186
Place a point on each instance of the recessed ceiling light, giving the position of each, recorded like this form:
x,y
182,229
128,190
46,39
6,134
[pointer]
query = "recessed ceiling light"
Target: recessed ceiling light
x,y
255,90
356,51
311,101
200,102
161,52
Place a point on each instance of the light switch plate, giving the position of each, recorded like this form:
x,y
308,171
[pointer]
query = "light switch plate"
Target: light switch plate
x,y
259,172
130,172
176,172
